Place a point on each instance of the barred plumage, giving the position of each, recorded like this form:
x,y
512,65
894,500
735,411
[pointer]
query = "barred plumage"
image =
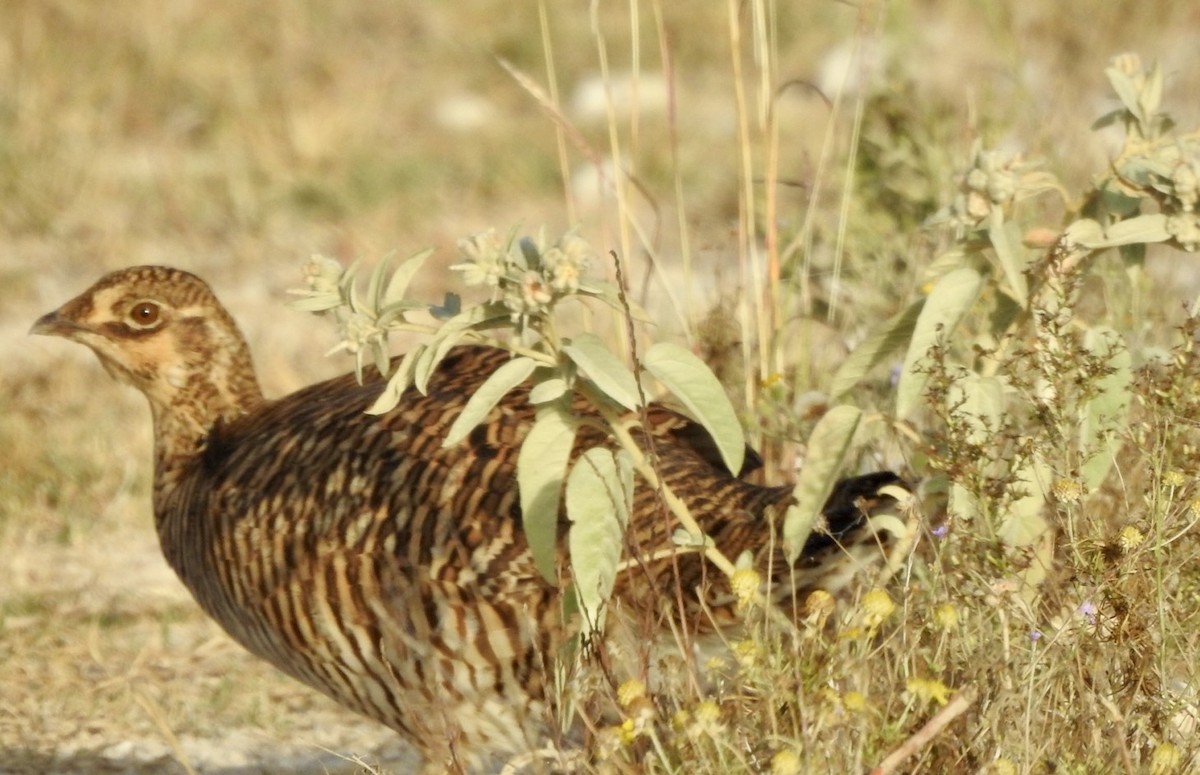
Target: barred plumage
x,y
356,554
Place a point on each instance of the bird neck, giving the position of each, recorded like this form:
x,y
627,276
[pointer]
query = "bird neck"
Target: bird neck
x,y
193,399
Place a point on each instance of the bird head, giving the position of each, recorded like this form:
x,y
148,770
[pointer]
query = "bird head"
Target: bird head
x,y
162,331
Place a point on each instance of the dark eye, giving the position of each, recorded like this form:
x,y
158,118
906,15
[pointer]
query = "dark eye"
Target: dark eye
x,y
144,314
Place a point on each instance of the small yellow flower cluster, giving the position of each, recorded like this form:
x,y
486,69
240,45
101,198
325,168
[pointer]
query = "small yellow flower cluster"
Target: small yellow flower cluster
x,y
1130,538
946,617
705,721
1002,766
1174,478
1165,759
786,762
746,584
928,690
630,692
855,702
1068,490
876,607
639,709
747,652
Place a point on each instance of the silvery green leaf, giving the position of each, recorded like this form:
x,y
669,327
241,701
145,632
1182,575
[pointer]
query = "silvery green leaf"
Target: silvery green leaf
x,y
1024,521
486,396
608,293
827,447
693,383
317,302
1138,230
979,402
397,286
375,282
1106,412
604,369
599,498
1131,231
1126,91
397,384
684,539
1006,241
873,350
944,309
548,390
434,354
541,468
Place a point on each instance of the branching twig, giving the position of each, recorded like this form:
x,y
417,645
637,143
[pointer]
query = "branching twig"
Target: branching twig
x,y
953,710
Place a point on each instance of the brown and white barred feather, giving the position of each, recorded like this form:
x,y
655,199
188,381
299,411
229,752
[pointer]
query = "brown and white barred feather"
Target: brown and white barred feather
x,y
358,555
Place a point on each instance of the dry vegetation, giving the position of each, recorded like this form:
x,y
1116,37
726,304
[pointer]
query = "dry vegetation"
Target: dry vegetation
x,y
234,140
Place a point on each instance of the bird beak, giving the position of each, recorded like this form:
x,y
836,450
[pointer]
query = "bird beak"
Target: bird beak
x,y
54,324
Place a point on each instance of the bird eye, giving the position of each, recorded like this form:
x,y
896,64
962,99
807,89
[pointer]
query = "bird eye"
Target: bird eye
x,y
144,314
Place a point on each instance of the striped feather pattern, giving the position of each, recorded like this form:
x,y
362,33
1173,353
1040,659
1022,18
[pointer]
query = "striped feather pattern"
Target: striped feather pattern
x,y
357,555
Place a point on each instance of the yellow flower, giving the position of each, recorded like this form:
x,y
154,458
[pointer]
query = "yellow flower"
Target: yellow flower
x,y
1068,490
706,720
747,652
1165,759
715,664
854,702
928,690
876,606
745,583
786,762
630,691
1130,538
946,616
1174,478
1002,766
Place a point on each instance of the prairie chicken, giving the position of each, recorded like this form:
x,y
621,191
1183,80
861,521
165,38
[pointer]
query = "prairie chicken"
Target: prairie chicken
x,y
357,555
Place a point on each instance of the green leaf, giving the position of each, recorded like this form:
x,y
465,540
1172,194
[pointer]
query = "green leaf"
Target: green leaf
x,y
693,383
487,396
979,402
823,462
604,369
1150,98
963,503
541,468
944,309
1085,232
874,349
1006,241
397,287
450,333
1126,91
1025,522
434,354
317,302
375,283
610,295
1140,229
1105,414
397,384
548,390
599,500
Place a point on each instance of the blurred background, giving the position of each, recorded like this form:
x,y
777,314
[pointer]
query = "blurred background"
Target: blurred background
x,y
234,140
